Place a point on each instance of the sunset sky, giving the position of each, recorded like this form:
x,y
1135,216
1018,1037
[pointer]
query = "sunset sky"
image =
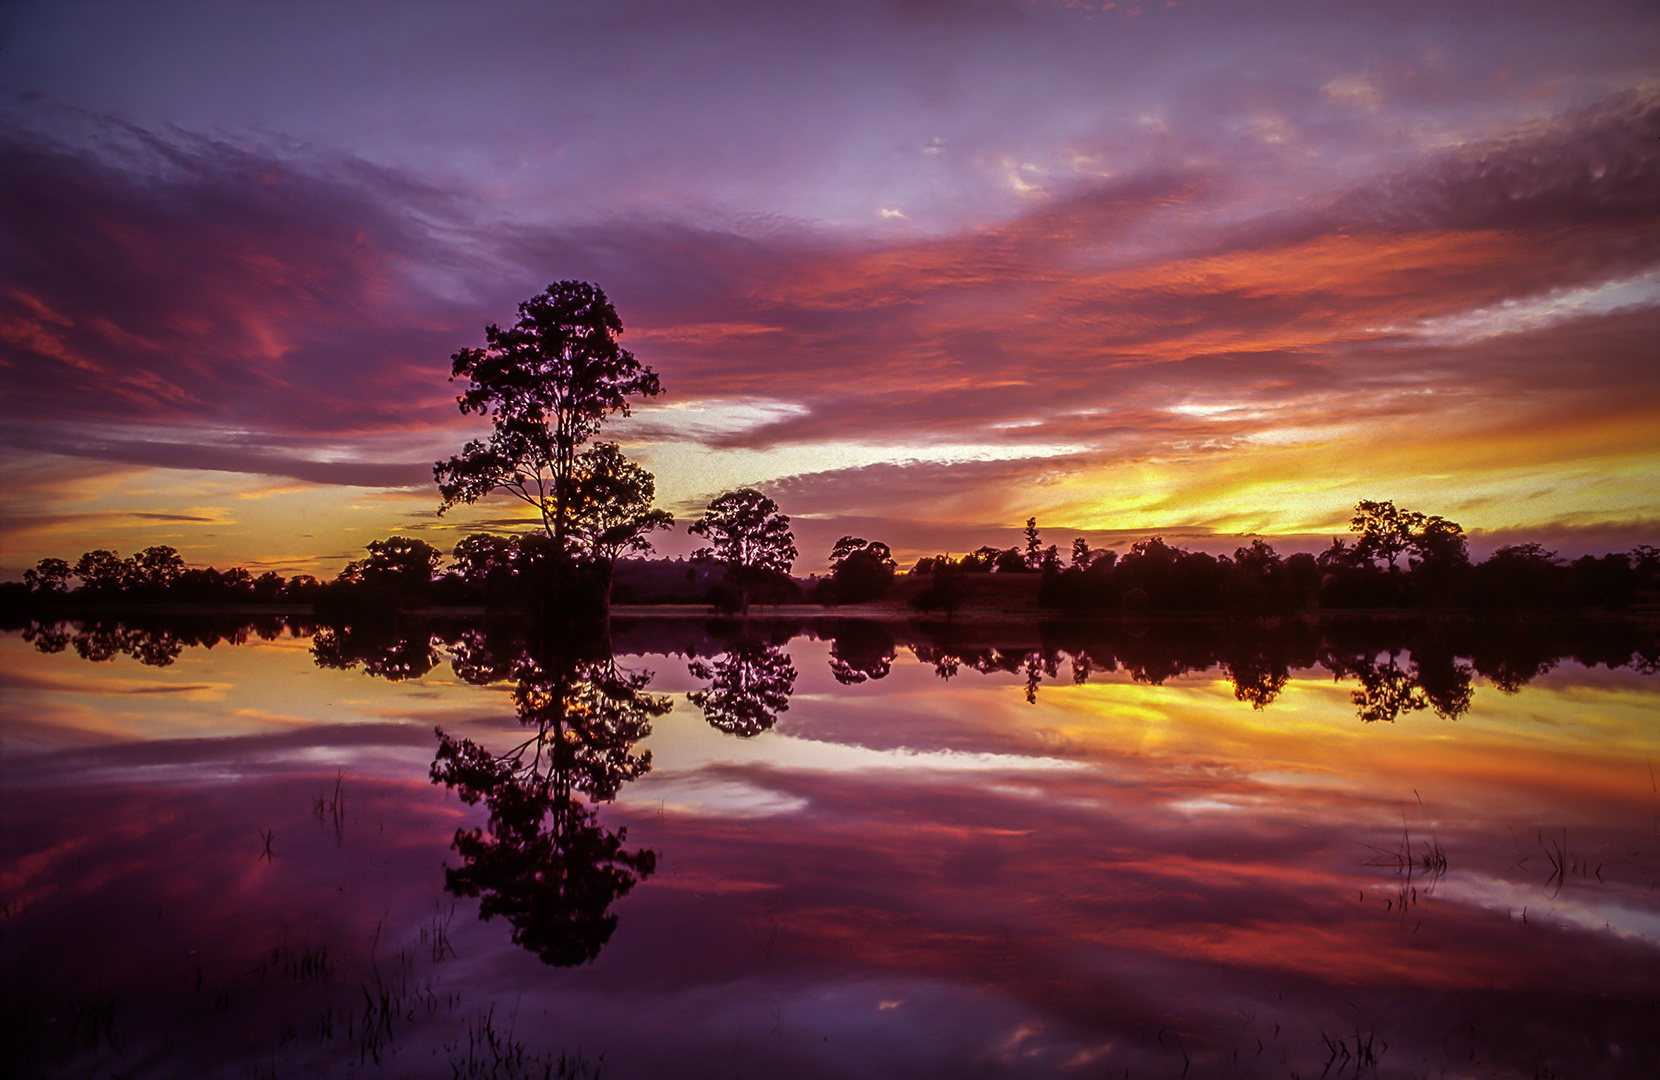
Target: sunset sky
x,y
919,270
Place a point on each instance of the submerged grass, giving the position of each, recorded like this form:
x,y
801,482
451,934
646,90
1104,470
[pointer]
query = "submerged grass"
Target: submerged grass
x,y
329,808
490,1054
1426,865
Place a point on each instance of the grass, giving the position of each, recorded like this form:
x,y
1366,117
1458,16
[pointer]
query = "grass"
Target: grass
x,y
494,1055
310,963
436,933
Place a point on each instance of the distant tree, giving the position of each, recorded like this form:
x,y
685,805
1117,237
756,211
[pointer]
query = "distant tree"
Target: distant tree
x,y
1011,561
100,571
1609,582
612,512
1384,531
1260,558
860,569
747,533
397,562
154,569
948,590
547,382
1339,556
1437,540
269,586
1520,576
1253,581
483,559
234,584
1387,531
1081,553
1034,549
50,577
301,588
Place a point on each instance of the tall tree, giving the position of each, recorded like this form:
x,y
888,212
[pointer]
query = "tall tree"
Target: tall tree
x,y
747,533
547,383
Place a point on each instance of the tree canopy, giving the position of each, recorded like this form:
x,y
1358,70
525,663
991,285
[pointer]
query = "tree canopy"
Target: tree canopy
x,y
548,383
612,512
860,569
1386,531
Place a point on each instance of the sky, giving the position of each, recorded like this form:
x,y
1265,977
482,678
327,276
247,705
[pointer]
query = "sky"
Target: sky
x,y
918,270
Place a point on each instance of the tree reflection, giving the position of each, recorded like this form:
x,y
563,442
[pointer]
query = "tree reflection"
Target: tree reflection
x,y
385,652
861,650
1433,680
1258,675
543,860
748,687
154,643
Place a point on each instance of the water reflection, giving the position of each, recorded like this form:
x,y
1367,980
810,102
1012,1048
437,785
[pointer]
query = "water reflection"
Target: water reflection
x,y
749,685
154,641
542,860
860,650
384,651
1229,874
1396,668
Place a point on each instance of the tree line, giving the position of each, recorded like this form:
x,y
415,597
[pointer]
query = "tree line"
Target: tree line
x,y
1397,558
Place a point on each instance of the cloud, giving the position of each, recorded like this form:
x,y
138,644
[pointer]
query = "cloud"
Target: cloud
x,y
222,456
180,302
180,280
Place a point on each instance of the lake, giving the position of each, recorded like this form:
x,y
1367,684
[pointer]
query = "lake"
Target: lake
x,y
830,848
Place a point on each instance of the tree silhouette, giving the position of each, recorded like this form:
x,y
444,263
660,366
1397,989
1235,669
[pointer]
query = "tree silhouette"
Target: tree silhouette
x,y
859,569
396,562
948,589
747,533
49,577
547,383
1384,531
749,687
99,571
484,560
612,510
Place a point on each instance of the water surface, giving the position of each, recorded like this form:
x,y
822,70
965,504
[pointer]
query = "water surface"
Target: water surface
x,y
834,849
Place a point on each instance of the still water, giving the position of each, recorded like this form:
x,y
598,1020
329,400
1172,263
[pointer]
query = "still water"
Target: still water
x,y
830,849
